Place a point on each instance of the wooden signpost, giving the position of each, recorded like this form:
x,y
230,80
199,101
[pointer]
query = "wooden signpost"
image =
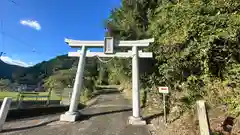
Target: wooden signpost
x,y
164,91
203,118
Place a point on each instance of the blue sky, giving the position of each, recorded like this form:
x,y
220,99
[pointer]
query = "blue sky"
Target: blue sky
x,y
51,21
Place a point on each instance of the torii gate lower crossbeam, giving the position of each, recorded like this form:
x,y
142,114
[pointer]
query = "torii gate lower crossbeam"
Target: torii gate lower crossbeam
x,y
135,119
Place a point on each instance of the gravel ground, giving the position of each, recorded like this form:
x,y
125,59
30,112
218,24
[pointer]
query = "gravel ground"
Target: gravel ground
x,y
108,116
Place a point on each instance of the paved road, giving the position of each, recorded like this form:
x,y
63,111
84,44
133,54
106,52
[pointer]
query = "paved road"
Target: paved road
x,y
108,116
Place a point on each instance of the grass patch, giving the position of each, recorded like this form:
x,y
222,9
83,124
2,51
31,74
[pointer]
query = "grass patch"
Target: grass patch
x,y
13,95
41,96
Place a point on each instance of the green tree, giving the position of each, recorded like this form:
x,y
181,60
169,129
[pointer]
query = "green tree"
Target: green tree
x,y
5,85
196,48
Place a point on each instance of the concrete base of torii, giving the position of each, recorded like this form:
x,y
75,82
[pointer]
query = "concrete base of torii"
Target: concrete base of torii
x,y
136,121
70,117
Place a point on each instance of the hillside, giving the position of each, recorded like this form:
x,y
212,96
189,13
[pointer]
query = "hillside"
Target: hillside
x,y
33,75
37,73
57,73
7,70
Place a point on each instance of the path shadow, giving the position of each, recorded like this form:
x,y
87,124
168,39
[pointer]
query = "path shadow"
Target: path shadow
x,y
151,117
29,127
88,116
105,88
105,91
82,117
34,112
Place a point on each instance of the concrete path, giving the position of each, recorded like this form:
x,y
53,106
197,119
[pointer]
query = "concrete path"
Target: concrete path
x,y
108,116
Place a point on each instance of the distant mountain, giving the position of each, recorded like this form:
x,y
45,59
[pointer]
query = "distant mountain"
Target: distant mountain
x,y
6,70
37,73
34,74
16,62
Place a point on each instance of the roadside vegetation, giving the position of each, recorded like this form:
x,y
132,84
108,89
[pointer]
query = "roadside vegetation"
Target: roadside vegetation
x,y
196,52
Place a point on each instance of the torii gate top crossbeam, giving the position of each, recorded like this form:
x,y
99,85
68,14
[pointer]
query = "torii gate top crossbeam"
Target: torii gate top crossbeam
x,y
78,43
118,54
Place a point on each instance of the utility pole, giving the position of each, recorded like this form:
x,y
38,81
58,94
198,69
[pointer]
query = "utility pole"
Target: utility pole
x,y
1,34
1,53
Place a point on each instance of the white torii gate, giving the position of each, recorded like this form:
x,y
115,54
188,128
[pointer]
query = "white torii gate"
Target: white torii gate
x,y
109,44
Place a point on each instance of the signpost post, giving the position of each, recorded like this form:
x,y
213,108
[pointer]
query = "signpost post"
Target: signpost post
x,y
164,91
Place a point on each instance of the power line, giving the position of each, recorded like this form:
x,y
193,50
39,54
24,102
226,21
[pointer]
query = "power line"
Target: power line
x,y
4,34
13,2
2,31
20,41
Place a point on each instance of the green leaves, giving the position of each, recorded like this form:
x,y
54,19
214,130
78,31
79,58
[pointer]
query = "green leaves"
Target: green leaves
x,y
65,78
196,42
5,84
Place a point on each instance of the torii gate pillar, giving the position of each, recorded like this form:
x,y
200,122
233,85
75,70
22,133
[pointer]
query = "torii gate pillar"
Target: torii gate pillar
x,y
135,119
73,114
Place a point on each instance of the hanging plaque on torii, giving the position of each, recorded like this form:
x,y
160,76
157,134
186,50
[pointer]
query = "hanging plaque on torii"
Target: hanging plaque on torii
x,y
108,45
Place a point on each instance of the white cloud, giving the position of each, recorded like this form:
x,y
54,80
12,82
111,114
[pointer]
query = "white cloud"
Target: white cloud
x,y
11,61
31,23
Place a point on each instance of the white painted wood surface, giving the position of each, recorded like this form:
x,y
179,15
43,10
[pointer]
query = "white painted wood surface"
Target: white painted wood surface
x,y
4,110
72,114
118,54
79,43
202,118
135,83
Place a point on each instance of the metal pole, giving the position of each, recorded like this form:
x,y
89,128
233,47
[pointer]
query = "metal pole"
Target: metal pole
x,y
135,83
2,37
164,107
49,95
78,83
